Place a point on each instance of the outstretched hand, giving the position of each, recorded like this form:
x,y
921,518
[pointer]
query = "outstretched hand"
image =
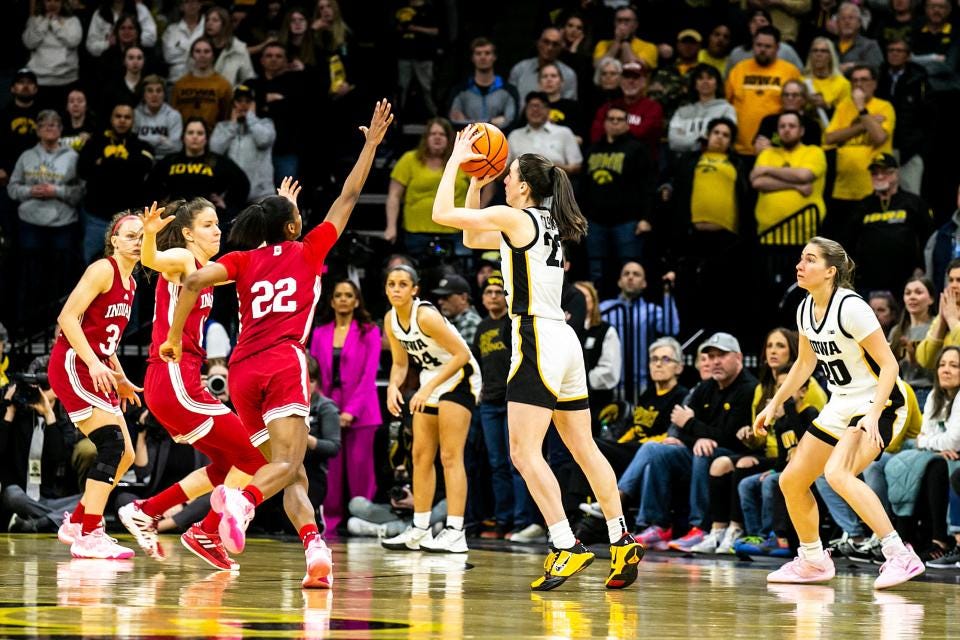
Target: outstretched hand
x,y
289,188
379,123
152,222
463,145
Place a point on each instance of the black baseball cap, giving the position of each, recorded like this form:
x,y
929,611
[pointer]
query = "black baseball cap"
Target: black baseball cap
x,y
451,284
25,74
884,161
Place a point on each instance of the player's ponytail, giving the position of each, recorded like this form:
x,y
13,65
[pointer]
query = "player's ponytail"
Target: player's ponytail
x,y
184,212
263,222
836,256
546,180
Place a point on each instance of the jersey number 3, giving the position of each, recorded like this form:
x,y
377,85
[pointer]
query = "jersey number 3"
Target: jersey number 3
x,y
552,240
273,296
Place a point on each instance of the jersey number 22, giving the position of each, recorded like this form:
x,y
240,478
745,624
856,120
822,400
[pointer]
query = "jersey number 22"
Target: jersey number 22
x,y
273,296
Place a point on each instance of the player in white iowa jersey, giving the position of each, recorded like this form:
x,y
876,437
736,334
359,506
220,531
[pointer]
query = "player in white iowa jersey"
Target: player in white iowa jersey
x,y
547,376
840,334
441,408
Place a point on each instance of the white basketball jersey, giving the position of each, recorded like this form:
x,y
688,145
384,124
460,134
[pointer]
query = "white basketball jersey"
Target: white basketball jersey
x,y
533,275
836,341
421,348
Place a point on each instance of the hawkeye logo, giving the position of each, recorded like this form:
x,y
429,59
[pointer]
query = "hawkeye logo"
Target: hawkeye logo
x,y
191,168
602,166
116,151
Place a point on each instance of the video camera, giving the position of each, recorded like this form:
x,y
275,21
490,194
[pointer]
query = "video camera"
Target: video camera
x,y
29,386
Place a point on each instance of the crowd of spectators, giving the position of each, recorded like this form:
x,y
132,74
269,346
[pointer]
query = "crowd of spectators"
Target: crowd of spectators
x,y
708,142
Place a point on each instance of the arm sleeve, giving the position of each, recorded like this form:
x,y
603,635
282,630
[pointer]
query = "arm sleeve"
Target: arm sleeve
x,y
17,189
318,242
33,34
927,349
262,130
233,262
857,318
725,427
571,150
222,135
70,33
948,440
148,27
606,373
371,345
327,432
97,36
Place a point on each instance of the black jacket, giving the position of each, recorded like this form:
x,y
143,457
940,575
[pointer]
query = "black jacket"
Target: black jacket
x,y
719,413
618,182
115,168
56,476
912,102
179,176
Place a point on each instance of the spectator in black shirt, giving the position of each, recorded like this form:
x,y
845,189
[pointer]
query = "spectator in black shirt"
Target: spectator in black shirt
x,y
18,122
889,230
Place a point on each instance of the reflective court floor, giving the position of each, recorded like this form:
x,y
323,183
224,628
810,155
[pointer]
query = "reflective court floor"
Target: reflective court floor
x,y
379,594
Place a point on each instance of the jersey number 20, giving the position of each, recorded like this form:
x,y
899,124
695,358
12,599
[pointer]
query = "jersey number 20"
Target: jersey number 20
x,y
273,296
835,372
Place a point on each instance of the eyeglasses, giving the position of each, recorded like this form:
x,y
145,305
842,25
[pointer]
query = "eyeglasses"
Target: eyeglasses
x,y
664,360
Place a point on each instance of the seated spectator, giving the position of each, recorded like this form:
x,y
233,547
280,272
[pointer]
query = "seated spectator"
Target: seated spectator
x,y
231,59
780,349
644,116
418,38
284,98
525,75
41,454
905,85
638,322
100,35
453,298
18,121
861,127
793,97
414,182
248,140
790,180
617,195
934,44
890,229
754,86
941,248
563,111
323,444
898,23
347,348
114,164
602,353
717,51
197,172
202,92
555,142
156,122
485,97
707,427
728,472
81,122
606,84
625,46
853,47
919,307
759,19
52,36
688,126
917,479
886,309
46,184
179,36
825,83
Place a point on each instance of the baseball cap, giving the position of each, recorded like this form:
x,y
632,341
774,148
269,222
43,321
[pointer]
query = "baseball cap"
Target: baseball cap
x,y
451,284
491,258
690,34
722,341
538,95
25,73
885,161
243,91
495,279
634,68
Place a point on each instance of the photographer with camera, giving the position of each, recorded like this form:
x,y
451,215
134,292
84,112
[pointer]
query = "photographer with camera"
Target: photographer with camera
x,y
37,461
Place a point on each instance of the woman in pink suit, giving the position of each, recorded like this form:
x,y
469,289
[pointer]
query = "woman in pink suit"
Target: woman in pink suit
x,y
348,351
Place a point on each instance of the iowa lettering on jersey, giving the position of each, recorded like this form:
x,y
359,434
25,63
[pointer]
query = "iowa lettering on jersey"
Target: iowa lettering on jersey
x,y
195,168
761,82
825,348
898,216
118,310
417,352
153,130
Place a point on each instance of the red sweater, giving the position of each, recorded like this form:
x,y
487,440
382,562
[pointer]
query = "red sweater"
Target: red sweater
x,y
645,117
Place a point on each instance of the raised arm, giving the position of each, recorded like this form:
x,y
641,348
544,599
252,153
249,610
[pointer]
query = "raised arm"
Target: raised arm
x,y
342,207
172,263
210,275
474,239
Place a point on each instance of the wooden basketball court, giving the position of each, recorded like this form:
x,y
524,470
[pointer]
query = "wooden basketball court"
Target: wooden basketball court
x,y
379,594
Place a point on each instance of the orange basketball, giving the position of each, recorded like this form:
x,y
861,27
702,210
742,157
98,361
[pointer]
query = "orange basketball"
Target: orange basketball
x,y
493,144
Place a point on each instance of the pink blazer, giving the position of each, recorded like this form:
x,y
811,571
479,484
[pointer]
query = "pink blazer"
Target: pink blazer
x,y
359,360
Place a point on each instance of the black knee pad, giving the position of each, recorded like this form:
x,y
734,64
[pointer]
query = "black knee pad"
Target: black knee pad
x,y
109,441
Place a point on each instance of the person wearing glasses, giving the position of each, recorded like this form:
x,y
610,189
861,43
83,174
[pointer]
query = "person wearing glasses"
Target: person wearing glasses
x,y
525,75
824,81
625,46
793,97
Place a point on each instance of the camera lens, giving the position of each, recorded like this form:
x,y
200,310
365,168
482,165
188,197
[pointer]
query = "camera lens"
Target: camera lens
x,y
217,384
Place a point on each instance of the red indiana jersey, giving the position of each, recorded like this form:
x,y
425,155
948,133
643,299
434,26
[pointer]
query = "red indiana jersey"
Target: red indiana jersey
x,y
165,302
106,318
279,287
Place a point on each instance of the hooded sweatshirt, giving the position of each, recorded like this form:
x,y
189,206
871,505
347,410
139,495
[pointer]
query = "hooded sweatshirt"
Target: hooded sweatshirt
x,y
234,63
53,48
162,130
249,144
39,166
689,123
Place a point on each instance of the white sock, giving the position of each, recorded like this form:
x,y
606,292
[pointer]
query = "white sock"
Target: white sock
x,y
891,544
616,527
561,536
421,520
455,522
812,551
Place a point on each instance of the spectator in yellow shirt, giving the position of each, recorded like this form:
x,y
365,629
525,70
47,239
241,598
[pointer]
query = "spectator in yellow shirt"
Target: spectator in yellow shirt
x,y
828,87
945,329
754,86
625,45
